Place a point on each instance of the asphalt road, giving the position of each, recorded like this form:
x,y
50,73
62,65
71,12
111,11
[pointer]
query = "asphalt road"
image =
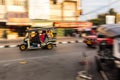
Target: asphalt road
x,y
61,63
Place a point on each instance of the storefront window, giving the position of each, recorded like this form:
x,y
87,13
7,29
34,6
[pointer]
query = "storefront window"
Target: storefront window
x,y
19,2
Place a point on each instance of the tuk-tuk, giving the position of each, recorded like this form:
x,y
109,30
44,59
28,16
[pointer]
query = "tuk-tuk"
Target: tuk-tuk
x,y
108,59
39,38
106,34
113,32
90,41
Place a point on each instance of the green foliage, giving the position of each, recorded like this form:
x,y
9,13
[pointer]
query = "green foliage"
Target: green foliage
x,y
101,17
112,12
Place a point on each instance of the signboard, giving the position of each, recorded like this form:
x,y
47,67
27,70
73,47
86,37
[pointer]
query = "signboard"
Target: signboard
x,y
42,24
39,9
18,21
73,24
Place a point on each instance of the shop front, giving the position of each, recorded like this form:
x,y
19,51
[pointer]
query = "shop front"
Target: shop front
x,y
17,23
69,28
2,28
63,28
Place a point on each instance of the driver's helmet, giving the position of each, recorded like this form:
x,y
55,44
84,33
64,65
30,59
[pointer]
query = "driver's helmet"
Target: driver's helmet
x,y
32,34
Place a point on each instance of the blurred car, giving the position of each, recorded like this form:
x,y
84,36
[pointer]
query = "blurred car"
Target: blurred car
x,y
90,41
104,42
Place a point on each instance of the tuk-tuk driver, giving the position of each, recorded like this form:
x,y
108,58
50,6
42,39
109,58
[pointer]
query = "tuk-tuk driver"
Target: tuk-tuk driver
x,y
35,37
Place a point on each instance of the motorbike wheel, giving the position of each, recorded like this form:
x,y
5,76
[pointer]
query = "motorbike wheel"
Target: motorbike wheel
x,y
49,46
22,47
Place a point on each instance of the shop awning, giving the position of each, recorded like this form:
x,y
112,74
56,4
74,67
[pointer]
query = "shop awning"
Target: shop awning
x,y
19,24
18,21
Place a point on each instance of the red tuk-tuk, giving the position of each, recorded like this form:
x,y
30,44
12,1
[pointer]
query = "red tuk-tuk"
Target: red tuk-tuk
x,y
90,41
106,33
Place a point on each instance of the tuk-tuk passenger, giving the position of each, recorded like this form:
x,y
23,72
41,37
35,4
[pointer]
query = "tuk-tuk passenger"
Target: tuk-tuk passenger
x,y
42,37
50,34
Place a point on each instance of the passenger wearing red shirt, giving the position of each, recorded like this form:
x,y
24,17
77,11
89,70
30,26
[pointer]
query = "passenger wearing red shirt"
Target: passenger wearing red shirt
x,y
42,37
93,32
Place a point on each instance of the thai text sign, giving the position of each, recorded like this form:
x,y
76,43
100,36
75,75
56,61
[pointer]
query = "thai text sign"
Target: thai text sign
x,y
73,24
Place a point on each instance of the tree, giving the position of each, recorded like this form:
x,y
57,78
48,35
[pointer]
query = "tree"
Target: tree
x,y
112,12
95,21
102,17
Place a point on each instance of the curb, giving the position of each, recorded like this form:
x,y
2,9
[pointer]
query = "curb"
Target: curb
x,y
69,42
9,46
64,42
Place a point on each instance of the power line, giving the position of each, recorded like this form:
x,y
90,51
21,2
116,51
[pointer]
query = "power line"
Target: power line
x,y
98,9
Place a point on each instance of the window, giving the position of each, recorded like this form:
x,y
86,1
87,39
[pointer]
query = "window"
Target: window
x,y
2,2
101,36
19,2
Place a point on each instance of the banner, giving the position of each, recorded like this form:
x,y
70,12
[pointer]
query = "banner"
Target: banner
x,y
73,24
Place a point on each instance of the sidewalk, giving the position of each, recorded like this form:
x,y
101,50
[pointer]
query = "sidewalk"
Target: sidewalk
x,y
20,40
11,41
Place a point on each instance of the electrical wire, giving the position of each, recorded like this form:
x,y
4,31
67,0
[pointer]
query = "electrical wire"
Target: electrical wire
x,y
98,9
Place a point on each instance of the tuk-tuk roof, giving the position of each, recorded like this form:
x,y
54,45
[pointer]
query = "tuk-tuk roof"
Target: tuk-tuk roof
x,y
111,30
41,28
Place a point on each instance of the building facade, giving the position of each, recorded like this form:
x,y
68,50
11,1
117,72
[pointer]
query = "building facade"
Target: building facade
x,y
17,15
65,10
118,18
62,10
14,15
54,11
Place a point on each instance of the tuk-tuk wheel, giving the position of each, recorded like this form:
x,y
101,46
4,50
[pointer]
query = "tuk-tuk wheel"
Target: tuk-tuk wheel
x,y
22,47
49,46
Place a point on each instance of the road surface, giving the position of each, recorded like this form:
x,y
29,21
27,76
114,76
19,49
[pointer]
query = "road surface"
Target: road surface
x,y
61,63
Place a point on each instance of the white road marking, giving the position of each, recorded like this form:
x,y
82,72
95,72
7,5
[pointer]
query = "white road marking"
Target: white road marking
x,y
13,46
31,58
2,46
66,42
103,75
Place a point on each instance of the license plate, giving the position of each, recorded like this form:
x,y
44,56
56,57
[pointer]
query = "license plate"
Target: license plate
x,y
89,42
103,43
